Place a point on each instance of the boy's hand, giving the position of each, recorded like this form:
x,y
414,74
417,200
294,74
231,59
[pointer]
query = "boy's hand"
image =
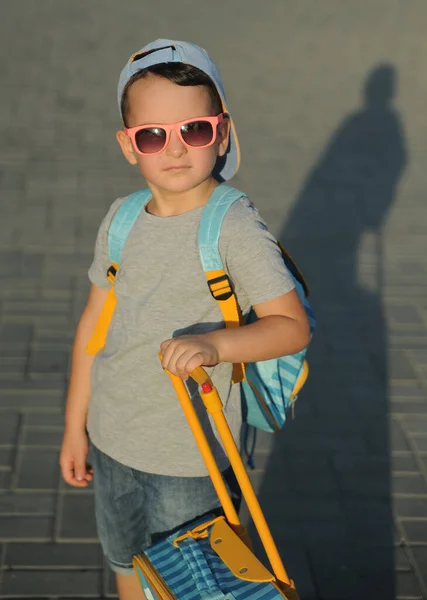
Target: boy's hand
x,y
74,451
183,354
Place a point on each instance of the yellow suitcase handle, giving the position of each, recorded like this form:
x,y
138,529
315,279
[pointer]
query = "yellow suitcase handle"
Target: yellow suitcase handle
x,y
213,404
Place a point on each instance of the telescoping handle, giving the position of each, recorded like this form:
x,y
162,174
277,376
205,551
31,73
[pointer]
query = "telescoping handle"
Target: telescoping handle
x,y
213,404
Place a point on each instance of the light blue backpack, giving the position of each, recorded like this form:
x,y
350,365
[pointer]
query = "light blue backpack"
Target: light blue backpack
x,y
268,387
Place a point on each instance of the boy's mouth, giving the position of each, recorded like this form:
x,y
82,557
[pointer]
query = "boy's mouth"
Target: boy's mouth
x,y
177,169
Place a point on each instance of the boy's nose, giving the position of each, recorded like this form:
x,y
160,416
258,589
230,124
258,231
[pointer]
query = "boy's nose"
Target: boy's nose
x,y
175,147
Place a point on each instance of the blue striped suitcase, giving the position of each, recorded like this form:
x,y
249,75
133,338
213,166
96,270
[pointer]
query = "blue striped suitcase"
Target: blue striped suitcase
x,y
212,559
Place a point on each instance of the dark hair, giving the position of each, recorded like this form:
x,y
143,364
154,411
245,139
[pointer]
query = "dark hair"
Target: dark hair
x,y
179,73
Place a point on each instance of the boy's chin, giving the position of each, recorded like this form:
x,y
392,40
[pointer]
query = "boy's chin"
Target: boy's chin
x,y
179,183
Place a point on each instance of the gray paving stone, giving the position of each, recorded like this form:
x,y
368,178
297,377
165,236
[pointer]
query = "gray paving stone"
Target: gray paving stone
x,y
415,424
398,441
316,483
404,463
16,333
407,586
78,517
15,527
414,342
399,366
401,559
419,356
409,408
9,426
410,506
35,308
44,419
32,264
334,575
45,336
419,554
27,503
110,586
58,583
423,461
360,463
365,484
409,483
20,398
405,390
6,457
420,442
42,437
12,368
265,441
26,597
26,556
38,469
52,362
10,262
404,315
415,530
14,351
5,479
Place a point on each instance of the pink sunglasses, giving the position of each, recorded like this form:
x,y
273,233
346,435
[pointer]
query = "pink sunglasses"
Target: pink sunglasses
x,y
199,132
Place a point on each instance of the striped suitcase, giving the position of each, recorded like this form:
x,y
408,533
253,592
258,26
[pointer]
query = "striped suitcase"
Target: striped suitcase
x,y
212,559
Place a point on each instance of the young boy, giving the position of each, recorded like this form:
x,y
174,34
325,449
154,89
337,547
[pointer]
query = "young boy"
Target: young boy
x,y
149,477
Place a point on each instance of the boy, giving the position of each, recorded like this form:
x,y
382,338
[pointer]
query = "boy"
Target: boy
x,y
148,475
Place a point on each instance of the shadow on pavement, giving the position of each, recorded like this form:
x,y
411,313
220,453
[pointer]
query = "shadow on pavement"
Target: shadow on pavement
x,y
327,486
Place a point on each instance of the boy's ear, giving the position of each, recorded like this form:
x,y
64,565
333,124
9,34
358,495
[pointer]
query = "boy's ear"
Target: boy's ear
x,y
126,146
223,137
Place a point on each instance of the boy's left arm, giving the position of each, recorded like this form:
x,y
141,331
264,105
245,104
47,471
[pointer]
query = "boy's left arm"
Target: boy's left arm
x,y
282,328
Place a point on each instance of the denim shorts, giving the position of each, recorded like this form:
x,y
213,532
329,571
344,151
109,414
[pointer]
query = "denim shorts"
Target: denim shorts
x,y
135,509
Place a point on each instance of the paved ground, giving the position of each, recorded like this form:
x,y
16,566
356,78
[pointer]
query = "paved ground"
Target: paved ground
x,y
330,101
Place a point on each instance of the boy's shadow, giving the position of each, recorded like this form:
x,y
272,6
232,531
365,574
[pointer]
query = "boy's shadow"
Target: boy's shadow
x,y
326,489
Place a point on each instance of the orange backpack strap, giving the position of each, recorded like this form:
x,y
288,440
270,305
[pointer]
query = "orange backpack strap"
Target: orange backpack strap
x,y
220,288
97,341
121,224
221,199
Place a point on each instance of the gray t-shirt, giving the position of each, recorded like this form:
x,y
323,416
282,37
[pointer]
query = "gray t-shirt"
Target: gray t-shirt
x,y
134,414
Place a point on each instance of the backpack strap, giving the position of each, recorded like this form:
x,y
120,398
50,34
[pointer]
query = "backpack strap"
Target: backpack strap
x,y
122,222
220,201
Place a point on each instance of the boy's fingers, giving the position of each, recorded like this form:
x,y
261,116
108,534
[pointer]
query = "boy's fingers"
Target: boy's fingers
x,y
69,475
195,361
188,361
67,472
165,344
174,358
167,352
80,469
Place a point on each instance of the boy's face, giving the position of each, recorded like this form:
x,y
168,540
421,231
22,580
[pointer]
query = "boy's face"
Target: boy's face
x,y
177,168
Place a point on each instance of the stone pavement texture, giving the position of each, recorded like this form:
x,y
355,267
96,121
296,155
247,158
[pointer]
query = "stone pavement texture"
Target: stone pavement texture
x,y
329,99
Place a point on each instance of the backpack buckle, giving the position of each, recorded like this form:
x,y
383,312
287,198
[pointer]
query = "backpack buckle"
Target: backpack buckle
x,y
220,287
111,274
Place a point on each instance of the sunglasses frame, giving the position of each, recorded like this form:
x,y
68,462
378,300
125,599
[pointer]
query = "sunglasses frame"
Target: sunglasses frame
x,y
169,127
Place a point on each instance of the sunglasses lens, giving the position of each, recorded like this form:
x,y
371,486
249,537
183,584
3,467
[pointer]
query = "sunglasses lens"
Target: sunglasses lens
x,y
150,140
197,133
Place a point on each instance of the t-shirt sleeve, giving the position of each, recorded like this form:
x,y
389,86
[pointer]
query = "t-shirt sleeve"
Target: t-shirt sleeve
x,y
98,270
252,256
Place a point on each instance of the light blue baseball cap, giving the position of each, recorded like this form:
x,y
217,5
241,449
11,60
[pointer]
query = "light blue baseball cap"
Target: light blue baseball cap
x,y
166,51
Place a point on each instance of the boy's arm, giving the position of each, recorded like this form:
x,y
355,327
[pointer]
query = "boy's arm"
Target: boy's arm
x,y
282,328
81,363
75,444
